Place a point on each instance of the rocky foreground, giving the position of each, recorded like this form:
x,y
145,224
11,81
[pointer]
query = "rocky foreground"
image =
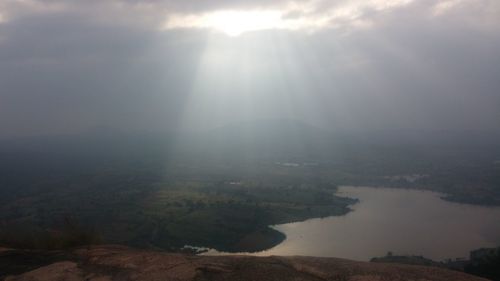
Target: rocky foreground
x,y
102,263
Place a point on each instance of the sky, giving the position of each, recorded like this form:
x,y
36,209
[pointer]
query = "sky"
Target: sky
x,y
68,67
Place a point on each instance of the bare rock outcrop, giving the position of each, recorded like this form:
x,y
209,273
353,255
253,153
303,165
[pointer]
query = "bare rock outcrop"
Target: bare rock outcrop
x,y
106,263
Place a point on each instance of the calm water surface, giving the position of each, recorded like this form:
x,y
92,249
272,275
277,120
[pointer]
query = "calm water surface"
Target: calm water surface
x,y
398,220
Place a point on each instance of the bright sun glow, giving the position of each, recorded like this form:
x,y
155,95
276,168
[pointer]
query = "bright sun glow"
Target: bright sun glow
x,y
232,23
304,16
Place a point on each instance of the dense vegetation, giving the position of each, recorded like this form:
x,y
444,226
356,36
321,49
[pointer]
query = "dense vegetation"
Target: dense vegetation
x,y
231,216
484,262
222,190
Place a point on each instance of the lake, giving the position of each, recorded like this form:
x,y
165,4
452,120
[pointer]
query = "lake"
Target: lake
x,y
406,222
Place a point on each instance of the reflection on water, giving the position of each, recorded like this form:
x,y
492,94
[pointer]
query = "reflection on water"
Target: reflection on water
x,y
398,220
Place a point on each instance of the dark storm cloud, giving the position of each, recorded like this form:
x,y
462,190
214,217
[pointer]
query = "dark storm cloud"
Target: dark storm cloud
x,y
70,66
62,73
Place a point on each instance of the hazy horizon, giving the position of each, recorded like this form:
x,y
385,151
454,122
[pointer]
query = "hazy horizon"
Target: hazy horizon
x,y
239,126
68,67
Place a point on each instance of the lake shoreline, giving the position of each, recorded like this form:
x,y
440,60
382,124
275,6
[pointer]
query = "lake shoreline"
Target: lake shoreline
x,y
413,196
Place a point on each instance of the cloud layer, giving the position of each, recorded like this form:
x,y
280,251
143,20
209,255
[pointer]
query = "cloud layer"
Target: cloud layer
x,y
71,66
